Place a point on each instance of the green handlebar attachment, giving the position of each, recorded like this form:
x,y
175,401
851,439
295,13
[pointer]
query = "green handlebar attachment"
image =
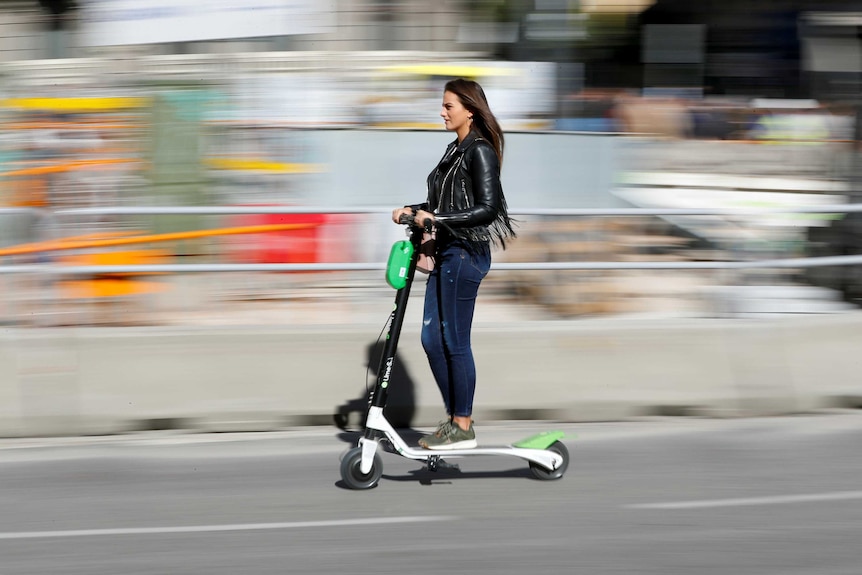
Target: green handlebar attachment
x,y
399,263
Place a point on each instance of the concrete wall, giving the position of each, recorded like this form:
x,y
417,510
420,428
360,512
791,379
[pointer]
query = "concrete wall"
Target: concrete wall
x,y
112,380
540,170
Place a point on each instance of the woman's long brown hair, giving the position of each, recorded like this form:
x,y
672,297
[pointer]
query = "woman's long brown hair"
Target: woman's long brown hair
x,y
472,96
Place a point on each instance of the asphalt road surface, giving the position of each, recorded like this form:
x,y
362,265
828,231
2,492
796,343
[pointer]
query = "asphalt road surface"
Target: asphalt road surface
x,y
772,496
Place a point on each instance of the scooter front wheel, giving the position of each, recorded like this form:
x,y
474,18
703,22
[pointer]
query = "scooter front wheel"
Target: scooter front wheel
x,y
540,472
352,474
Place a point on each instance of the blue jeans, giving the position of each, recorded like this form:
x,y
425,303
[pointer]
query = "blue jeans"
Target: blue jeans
x,y
450,298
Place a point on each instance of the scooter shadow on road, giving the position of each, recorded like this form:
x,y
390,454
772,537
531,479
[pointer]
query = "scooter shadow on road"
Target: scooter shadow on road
x,y
445,475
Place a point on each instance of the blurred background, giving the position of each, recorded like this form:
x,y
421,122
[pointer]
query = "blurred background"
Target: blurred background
x,y
195,201
178,133
199,164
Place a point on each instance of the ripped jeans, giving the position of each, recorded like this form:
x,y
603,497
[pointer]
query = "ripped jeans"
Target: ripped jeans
x,y
450,298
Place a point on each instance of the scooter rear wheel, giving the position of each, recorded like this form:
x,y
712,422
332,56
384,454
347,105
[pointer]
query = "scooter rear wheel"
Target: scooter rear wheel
x,y
540,472
352,474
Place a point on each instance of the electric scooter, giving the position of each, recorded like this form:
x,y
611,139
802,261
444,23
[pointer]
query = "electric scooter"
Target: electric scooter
x,y
362,466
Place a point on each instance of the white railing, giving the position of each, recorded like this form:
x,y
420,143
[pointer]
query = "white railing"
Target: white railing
x,y
798,262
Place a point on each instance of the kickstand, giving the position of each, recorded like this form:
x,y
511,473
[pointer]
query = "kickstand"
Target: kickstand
x,y
436,463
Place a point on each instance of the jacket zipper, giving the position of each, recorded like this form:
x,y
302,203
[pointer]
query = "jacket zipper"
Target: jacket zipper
x,y
449,173
464,191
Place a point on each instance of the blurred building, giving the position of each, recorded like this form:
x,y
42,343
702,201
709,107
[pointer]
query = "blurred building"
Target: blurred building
x,y
724,47
244,102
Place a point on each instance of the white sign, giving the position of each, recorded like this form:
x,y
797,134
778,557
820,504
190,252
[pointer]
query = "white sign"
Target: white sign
x,y
121,22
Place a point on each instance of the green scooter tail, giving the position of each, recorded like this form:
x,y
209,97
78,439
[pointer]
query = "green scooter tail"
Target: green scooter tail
x,y
541,440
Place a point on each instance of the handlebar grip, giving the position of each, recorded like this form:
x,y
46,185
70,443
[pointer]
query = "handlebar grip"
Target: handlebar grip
x,y
410,220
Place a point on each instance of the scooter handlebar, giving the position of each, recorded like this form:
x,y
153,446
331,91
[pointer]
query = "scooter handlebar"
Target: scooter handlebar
x,y
410,220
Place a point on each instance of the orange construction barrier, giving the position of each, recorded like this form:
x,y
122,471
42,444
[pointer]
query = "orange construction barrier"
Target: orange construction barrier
x,y
115,284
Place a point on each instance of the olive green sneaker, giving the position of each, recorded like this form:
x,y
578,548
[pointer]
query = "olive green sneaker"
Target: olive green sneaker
x,y
450,436
442,427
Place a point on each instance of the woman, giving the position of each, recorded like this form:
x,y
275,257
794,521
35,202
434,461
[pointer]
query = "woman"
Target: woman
x,y
467,208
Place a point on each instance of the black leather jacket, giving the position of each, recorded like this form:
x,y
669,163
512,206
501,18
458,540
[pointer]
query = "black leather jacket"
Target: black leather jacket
x,y
465,194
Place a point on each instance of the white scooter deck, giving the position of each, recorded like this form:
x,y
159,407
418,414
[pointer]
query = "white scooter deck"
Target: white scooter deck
x,y
376,420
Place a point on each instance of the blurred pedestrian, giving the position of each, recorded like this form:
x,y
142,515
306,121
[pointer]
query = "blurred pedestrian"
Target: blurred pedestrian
x,y
468,211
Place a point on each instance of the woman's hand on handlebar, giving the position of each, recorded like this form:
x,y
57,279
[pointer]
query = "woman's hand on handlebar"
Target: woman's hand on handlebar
x,y
421,217
417,220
